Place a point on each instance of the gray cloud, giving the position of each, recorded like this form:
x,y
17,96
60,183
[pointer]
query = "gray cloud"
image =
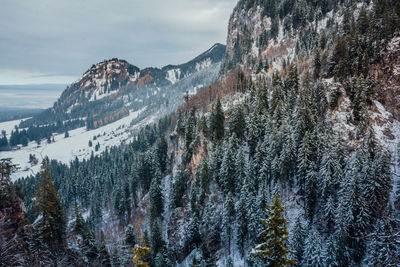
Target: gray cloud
x,y
65,37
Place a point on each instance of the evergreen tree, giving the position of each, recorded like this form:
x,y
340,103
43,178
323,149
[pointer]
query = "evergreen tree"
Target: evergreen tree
x,y
162,153
297,239
237,123
217,121
317,64
313,250
227,171
178,188
273,250
130,237
330,253
193,231
157,242
382,248
52,221
156,198
228,220
242,207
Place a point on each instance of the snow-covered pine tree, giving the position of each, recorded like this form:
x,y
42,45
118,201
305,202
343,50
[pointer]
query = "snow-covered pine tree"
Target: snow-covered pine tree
x,y
242,207
156,198
228,219
330,252
297,238
313,255
237,122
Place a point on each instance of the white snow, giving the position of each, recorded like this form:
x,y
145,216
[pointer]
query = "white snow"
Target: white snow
x,y
66,149
8,126
203,64
173,75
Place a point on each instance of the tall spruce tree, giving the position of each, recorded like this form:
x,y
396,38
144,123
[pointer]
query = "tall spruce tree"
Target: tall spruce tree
x,y
217,121
273,251
52,224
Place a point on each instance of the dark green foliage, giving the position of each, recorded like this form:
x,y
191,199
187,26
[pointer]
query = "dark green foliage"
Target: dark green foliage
x,y
156,198
217,120
178,188
237,123
162,153
52,225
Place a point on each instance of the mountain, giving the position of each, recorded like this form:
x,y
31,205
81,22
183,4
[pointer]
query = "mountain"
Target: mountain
x,y
289,155
101,93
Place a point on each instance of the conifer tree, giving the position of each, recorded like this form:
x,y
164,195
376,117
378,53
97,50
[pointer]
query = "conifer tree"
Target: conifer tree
x,y
52,223
330,252
227,172
297,239
162,153
237,123
157,242
227,221
242,207
217,121
130,237
317,64
273,251
156,198
313,250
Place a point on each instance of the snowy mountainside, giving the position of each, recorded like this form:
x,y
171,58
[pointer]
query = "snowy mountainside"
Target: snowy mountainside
x,y
101,93
296,131
144,105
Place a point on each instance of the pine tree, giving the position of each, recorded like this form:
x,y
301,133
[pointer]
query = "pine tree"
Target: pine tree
x,y
162,153
331,169
87,243
227,172
204,176
217,121
330,252
178,188
242,207
228,218
52,222
382,247
317,64
297,239
130,237
313,250
273,250
156,198
237,123
157,242
193,231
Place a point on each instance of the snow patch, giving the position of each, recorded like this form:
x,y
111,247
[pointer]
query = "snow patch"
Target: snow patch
x,y
173,75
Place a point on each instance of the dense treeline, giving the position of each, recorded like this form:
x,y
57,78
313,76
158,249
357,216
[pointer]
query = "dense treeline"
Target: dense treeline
x,y
366,35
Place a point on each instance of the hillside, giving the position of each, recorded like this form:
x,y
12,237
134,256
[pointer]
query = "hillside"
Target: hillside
x,y
108,90
289,157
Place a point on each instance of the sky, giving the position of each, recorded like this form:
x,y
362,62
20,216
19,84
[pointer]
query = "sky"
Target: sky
x,y
55,42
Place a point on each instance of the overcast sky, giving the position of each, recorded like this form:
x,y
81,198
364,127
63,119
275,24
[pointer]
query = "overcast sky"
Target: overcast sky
x,y
48,41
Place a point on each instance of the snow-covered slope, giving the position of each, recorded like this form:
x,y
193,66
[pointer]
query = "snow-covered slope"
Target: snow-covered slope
x,y
76,145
